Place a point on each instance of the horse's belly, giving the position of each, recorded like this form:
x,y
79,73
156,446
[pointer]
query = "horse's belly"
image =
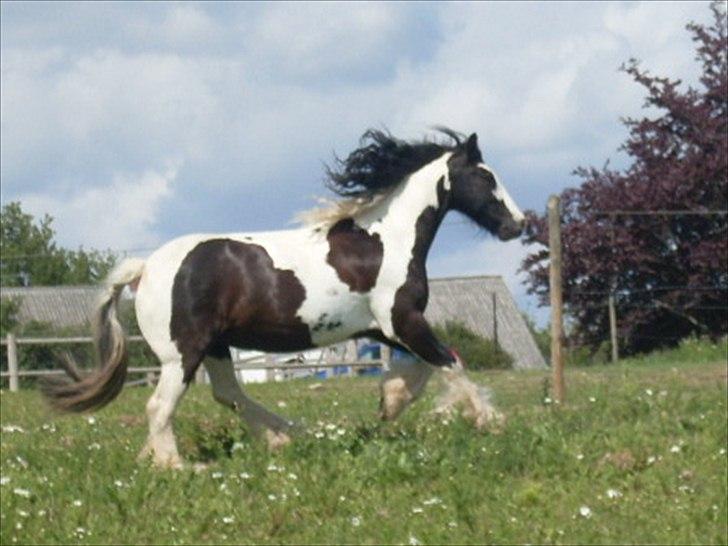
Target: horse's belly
x,y
336,319
275,338
318,326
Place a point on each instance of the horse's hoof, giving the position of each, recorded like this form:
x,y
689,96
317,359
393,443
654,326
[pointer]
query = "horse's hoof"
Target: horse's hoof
x,y
173,462
144,454
276,440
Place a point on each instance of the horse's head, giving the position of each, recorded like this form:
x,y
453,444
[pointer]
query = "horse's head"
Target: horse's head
x,y
477,193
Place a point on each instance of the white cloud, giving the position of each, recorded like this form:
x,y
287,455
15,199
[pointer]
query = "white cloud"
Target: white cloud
x,y
336,41
187,24
119,215
105,111
487,257
243,95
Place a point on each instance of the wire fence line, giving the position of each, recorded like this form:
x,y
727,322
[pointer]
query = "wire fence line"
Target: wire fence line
x,y
665,212
615,297
617,291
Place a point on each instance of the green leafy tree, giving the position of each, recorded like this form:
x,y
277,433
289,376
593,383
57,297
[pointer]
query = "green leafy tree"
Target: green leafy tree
x,y
31,257
667,271
478,352
9,308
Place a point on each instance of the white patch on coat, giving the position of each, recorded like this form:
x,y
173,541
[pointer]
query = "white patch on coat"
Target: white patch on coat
x,y
395,220
161,444
304,252
153,301
502,195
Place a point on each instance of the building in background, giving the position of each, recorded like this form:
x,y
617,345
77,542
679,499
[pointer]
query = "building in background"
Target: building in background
x,y
483,303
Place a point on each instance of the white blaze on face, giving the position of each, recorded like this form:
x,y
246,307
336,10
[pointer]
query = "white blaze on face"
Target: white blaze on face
x,y
501,194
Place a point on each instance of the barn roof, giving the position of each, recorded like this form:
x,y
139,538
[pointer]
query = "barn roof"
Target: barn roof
x,y
470,300
59,306
465,299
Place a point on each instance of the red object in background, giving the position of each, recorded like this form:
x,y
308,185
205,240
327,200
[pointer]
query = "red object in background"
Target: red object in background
x,y
456,354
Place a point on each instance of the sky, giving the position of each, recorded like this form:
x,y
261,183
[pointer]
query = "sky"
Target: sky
x,y
134,123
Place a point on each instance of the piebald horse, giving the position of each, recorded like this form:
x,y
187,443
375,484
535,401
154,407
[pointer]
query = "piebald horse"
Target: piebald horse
x,y
353,268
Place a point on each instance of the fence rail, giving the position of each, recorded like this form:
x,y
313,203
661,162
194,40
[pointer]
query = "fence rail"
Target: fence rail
x,y
257,362
57,340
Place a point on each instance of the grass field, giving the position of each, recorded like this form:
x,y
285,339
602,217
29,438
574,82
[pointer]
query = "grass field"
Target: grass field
x,y
637,455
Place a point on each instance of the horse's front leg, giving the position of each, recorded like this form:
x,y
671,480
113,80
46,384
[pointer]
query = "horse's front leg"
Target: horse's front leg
x,y
414,332
404,382
399,389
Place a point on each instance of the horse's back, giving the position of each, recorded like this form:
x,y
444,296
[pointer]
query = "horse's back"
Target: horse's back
x,y
271,291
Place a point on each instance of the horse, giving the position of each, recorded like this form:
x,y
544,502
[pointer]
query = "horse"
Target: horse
x,y
355,267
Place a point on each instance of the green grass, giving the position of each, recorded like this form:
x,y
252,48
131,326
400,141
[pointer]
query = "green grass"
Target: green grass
x,y
650,432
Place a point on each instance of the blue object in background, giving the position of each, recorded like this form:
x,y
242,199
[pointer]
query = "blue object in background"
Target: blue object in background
x,y
369,350
399,354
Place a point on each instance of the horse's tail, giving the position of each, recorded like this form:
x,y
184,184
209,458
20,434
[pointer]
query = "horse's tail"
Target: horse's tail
x,y
103,385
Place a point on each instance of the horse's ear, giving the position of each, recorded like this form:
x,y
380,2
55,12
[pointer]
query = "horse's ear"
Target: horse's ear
x,y
472,150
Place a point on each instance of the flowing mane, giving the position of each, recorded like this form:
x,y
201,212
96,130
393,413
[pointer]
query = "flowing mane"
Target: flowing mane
x,y
371,171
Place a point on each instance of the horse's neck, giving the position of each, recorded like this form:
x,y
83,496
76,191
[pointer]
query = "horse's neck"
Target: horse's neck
x,y
408,218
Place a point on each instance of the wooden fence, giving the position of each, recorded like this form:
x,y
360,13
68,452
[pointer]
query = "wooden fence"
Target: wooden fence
x,y
150,373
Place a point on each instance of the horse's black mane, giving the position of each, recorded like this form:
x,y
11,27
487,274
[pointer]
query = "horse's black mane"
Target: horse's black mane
x,y
381,161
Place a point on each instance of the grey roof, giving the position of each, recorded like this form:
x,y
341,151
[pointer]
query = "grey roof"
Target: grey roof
x,y
470,300
466,299
59,306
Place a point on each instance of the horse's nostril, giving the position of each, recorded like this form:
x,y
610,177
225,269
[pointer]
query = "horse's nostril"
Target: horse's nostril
x,y
510,230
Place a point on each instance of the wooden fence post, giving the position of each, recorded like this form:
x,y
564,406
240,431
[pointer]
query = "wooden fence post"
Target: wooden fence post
x,y
13,363
495,321
613,328
351,356
385,352
555,290
611,301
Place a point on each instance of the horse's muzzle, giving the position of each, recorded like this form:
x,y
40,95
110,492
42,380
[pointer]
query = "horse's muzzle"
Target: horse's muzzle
x,y
510,230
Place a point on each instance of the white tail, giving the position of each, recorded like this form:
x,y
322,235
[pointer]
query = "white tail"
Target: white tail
x,y
101,387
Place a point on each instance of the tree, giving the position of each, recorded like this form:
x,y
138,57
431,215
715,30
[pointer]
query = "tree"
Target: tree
x,y
668,271
31,257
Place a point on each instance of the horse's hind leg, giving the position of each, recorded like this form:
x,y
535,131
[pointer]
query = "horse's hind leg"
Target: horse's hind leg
x,y
227,391
161,445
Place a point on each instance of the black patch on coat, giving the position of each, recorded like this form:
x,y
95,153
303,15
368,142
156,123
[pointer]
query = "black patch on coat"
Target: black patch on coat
x,y
355,254
322,323
472,194
227,293
410,300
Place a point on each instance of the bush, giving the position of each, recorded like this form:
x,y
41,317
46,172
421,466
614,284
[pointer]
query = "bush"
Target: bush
x,y
478,352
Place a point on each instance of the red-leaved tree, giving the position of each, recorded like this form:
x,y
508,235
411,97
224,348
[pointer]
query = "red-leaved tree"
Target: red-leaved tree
x,y
667,270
